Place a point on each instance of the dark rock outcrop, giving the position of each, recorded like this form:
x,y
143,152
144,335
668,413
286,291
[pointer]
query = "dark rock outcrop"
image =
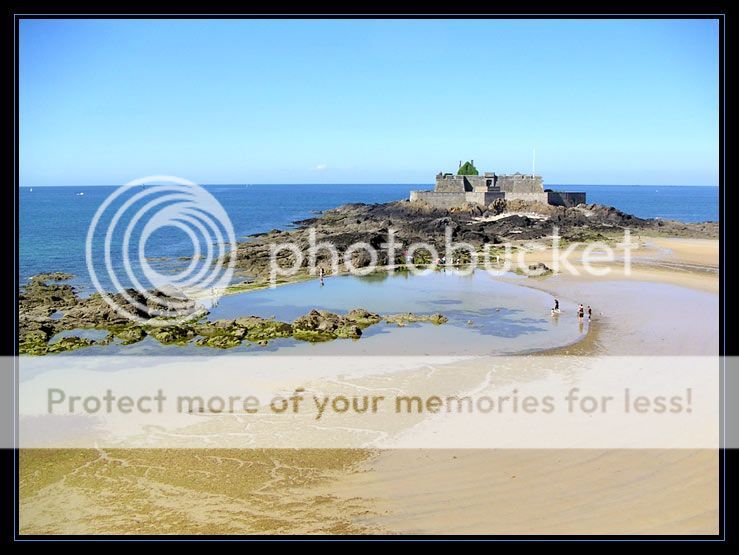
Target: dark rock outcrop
x,y
418,222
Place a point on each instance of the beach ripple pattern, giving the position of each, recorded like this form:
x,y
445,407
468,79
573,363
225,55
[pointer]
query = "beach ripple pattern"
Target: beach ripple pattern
x,y
163,299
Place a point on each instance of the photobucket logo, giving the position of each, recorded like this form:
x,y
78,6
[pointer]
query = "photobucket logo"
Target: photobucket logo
x,y
127,220
596,258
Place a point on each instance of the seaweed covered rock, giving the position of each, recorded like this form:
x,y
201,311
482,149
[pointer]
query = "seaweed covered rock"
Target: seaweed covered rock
x,y
70,343
539,269
172,335
128,335
409,318
42,300
34,344
362,317
313,336
321,325
317,320
268,330
349,332
222,341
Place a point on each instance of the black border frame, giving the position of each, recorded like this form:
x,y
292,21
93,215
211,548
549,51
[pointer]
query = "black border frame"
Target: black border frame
x,y
9,457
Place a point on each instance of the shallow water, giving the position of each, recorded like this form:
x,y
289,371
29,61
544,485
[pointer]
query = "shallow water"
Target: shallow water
x,y
486,316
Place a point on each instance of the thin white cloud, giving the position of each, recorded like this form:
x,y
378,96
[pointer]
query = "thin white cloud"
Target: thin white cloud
x,y
320,167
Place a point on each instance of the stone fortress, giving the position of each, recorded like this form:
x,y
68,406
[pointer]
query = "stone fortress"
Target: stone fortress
x,y
467,186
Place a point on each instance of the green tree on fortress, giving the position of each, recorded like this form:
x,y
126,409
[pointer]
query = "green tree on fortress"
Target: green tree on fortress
x,y
468,168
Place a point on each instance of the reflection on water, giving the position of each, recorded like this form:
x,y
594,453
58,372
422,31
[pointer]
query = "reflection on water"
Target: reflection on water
x,y
486,316
386,295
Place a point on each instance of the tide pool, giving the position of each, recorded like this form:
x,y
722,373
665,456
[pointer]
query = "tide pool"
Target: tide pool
x,y
487,315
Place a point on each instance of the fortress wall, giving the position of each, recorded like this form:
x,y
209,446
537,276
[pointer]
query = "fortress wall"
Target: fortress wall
x,y
450,184
457,183
455,190
480,183
520,184
484,198
440,199
451,200
529,197
555,198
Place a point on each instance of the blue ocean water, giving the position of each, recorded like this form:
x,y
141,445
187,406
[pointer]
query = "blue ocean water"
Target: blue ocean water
x,y
54,220
682,203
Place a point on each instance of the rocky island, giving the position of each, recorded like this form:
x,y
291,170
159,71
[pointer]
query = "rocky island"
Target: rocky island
x,y
48,306
502,222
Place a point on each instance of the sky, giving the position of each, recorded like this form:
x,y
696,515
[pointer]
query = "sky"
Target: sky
x,y
103,102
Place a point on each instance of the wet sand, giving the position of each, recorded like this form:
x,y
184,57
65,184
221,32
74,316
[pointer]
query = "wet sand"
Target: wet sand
x,y
532,491
575,491
670,306
185,491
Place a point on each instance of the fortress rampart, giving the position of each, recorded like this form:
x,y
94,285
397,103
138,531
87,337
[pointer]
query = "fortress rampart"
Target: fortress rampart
x,y
457,190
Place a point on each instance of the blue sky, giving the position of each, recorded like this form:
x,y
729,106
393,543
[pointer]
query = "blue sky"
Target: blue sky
x,y
306,101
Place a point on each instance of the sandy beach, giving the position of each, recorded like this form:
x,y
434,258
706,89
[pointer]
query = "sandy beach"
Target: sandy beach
x,y
575,491
668,306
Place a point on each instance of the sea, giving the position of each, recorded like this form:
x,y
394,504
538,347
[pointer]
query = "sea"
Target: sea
x,y
54,221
